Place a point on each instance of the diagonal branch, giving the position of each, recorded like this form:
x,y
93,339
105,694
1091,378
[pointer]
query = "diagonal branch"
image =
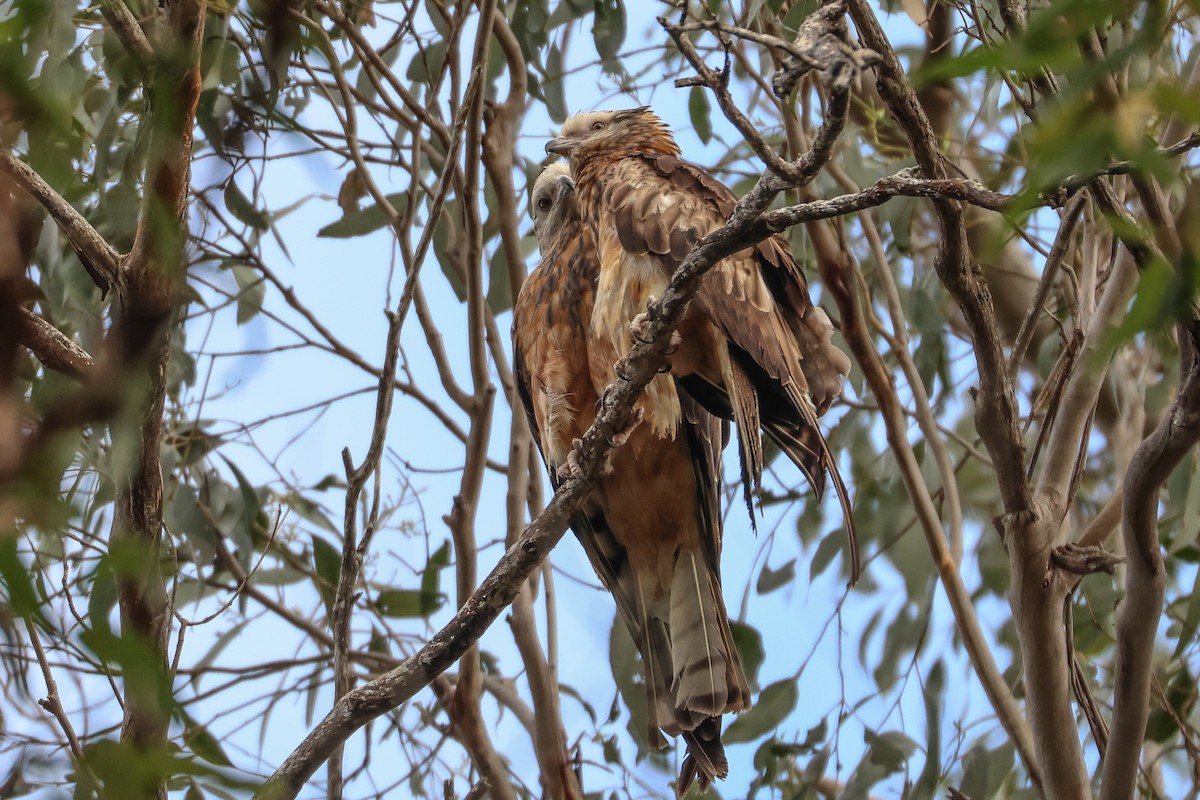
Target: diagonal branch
x,y
98,257
129,32
54,349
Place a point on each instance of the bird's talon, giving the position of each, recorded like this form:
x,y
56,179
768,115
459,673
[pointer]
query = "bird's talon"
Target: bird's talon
x,y
639,328
575,466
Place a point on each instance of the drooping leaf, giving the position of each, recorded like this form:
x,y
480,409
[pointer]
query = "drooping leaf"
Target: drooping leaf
x,y
201,742
327,562
15,580
242,209
772,707
366,220
608,30
935,685
886,755
700,111
399,603
427,63
771,579
749,644
252,289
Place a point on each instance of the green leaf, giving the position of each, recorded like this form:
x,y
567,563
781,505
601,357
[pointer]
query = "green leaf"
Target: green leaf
x,y
367,220
241,207
14,578
103,597
608,30
934,692
628,675
773,706
427,64
1163,296
749,644
447,246
569,11
771,579
252,289
252,518
185,518
308,510
984,770
125,770
327,561
886,755
401,603
554,87
700,111
830,546
499,293
433,570
203,743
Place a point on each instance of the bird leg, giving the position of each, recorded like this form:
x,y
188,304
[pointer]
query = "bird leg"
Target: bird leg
x,y
576,465
639,329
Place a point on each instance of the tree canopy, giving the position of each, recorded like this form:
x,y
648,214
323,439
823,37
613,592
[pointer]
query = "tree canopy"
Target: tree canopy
x,y
270,527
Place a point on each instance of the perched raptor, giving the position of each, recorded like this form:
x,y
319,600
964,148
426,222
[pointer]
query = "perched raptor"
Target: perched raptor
x,y
651,526
754,348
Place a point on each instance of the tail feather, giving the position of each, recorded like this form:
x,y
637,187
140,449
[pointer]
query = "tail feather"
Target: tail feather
x,y
655,647
708,675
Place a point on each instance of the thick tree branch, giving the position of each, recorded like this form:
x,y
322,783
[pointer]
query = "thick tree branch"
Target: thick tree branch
x,y
54,349
147,288
129,32
98,257
1137,617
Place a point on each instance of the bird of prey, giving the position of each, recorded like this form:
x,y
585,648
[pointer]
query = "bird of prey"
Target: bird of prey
x,y
651,525
754,348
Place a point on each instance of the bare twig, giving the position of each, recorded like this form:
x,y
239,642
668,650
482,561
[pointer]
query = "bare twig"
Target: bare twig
x,y
53,703
1049,272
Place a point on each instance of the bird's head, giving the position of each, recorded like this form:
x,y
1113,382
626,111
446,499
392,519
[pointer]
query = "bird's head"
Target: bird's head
x,y
552,202
613,133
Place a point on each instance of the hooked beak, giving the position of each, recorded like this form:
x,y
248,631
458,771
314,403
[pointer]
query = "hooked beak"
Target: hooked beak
x,y
561,145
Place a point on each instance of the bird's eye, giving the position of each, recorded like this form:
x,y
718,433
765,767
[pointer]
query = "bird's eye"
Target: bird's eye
x,y
543,203
597,126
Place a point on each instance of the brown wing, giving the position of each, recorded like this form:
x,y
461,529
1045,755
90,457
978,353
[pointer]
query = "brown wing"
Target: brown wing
x,y
780,344
758,297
